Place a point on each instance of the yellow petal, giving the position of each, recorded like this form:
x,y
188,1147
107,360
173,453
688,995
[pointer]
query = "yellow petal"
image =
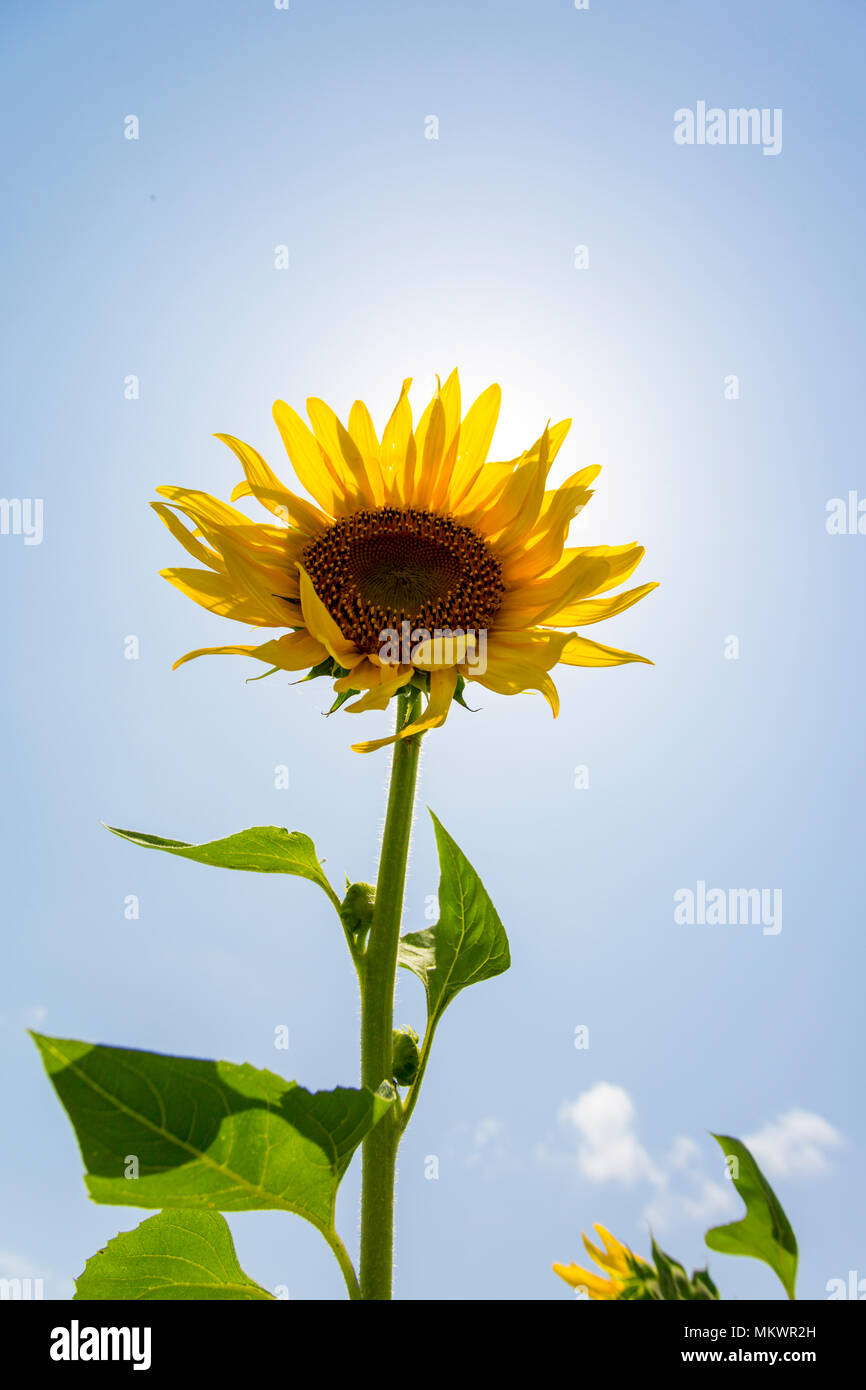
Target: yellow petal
x,y
535,645
622,561
599,1289
556,435
199,552
515,678
362,676
434,653
398,450
534,602
270,585
520,529
519,661
476,437
267,488
219,595
603,1260
378,696
200,506
580,651
486,489
489,480
342,453
449,395
595,610
306,458
363,432
293,652
430,442
322,626
617,1253
544,544
442,687
514,510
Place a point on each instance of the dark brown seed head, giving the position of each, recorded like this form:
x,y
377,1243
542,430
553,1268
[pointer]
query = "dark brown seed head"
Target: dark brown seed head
x,y
375,570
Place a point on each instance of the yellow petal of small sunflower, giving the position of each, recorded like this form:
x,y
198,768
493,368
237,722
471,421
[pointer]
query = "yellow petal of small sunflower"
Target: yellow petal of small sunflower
x,y
618,1256
599,1289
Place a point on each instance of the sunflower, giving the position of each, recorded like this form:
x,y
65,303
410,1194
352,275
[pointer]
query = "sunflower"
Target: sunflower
x,y
618,1262
417,561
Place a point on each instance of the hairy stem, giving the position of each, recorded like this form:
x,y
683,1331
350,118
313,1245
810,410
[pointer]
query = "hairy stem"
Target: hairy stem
x,y
377,1011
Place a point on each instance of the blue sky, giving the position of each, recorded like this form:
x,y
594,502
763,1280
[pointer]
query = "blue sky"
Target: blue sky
x,y
154,257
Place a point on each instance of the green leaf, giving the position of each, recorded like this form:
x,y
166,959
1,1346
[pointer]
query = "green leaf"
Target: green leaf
x,y
264,849
185,1255
206,1135
765,1232
467,944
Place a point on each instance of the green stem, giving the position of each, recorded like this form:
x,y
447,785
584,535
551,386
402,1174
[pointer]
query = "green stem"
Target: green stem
x,y
341,1254
377,1011
412,1098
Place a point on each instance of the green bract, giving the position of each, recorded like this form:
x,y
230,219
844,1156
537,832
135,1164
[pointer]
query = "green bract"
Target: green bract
x,y
667,1281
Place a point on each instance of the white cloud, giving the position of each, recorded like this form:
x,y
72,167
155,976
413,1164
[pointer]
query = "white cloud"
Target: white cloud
x,y
795,1145
684,1183
15,1266
488,1148
486,1129
683,1152
703,1202
47,1281
608,1149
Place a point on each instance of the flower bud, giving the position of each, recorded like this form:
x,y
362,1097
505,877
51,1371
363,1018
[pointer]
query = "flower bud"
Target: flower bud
x,y
405,1065
356,909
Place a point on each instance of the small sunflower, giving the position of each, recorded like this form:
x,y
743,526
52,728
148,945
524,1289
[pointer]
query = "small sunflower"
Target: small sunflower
x,y
418,561
621,1265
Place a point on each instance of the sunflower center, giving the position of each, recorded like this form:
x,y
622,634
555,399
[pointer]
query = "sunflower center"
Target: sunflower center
x,y
375,570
